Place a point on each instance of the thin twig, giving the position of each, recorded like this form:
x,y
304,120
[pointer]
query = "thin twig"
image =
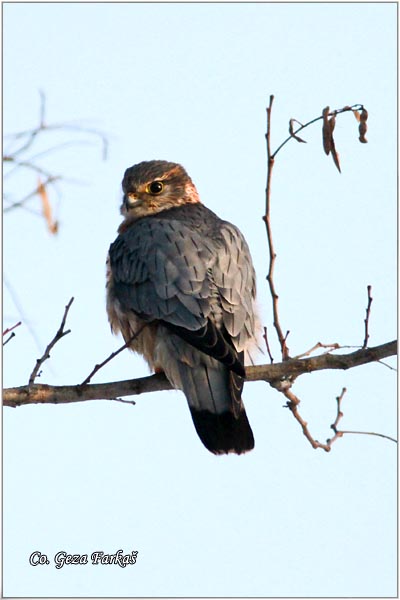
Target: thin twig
x,y
367,315
34,192
272,253
8,330
60,334
340,433
112,355
334,346
32,134
339,416
292,404
26,164
124,401
381,362
11,328
386,437
12,334
265,336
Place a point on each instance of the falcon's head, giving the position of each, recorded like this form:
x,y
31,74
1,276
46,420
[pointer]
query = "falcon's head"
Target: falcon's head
x,y
153,186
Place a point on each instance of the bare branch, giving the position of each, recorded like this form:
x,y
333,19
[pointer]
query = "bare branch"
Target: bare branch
x,y
66,394
339,416
366,320
275,374
19,154
294,367
265,336
342,432
329,121
60,334
292,405
272,253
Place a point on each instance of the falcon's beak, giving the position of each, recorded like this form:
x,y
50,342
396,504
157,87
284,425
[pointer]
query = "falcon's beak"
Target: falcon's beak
x,y
131,200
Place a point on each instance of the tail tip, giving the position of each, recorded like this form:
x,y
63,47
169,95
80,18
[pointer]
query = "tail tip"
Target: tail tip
x,y
224,433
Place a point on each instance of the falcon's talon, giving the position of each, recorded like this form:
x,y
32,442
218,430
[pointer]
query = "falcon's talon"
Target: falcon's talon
x,y
189,275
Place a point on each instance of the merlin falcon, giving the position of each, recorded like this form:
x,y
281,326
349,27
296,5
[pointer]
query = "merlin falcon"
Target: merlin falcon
x,y
184,279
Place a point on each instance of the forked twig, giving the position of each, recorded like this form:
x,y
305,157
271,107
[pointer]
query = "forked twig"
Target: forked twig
x,y
60,334
334,346
354,108
293,403
112,355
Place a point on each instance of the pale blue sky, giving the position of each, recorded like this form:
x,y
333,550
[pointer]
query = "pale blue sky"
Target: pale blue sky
x,y
189,83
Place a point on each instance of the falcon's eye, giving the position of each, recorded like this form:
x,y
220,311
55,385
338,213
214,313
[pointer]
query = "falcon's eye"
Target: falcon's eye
x,y
155,187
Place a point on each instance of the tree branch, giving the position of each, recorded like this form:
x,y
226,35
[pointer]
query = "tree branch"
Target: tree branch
x,y
272,254
274,374
60,334
367,315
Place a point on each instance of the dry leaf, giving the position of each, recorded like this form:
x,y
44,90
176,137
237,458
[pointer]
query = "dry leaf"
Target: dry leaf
x,y
362,128
54,227
326,131
46,208
335,155
292,133
357,115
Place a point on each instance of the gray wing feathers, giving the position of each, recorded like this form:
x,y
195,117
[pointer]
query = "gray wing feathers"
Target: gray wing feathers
x,y
167,270
235,278
161,274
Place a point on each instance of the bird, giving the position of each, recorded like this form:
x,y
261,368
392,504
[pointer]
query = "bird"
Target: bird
x,y
181,289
